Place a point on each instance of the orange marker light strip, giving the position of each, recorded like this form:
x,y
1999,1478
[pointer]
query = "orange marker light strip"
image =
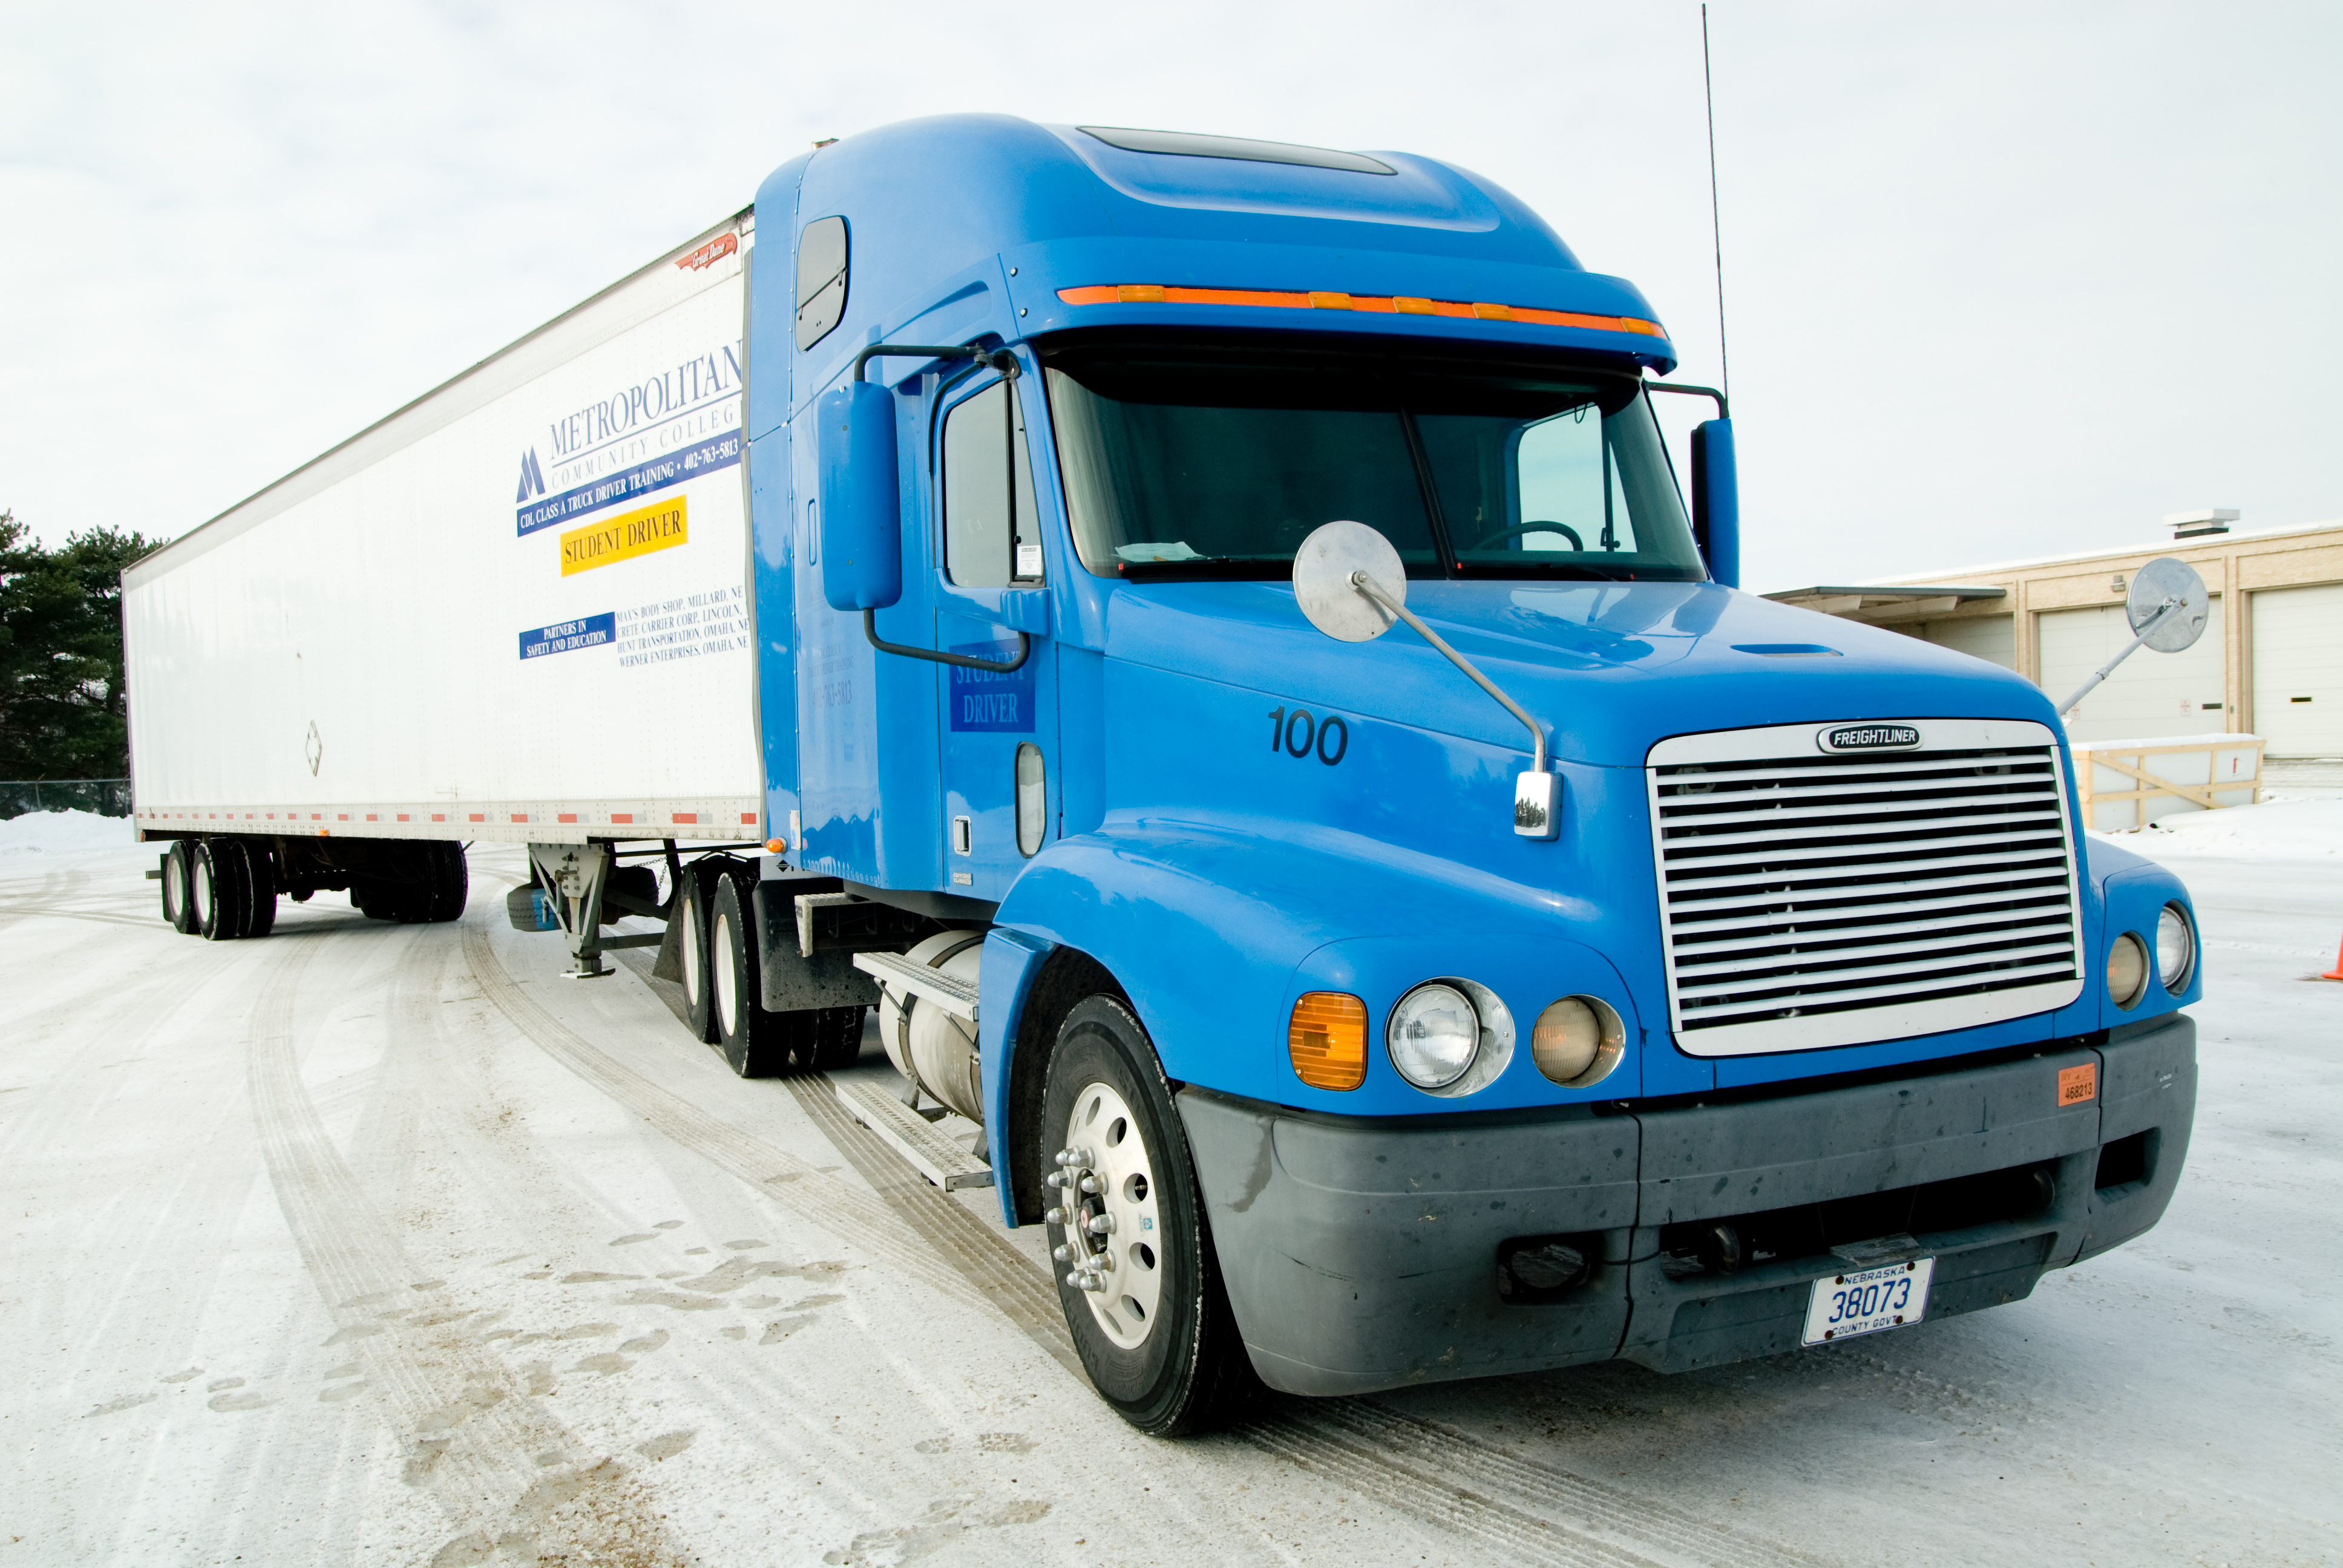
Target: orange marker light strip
x,y
1372,305
1328,1039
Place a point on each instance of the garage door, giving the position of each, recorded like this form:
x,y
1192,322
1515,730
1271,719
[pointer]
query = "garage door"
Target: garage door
x,y
2298,670
1992,638
2150,694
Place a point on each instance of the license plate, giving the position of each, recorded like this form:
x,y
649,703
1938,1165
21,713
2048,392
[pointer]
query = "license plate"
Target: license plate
x,y
1866,1301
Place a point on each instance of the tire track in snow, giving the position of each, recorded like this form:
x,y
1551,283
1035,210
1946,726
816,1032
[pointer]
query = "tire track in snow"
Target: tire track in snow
x,y
476,1442
1533,1512
853,1216
1445,1478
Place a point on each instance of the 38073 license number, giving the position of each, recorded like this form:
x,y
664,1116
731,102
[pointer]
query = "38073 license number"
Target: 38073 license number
x,y
1866,1301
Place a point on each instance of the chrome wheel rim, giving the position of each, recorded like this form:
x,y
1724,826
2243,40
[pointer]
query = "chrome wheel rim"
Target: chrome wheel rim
x,y
199,902
719,958
1106,1172
692,977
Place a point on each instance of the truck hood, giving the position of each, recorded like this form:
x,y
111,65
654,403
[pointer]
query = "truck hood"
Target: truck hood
x,y
1609,667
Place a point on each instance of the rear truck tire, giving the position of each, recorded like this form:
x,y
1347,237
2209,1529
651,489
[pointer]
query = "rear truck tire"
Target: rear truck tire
x,y
260,879
1143,1296
757,1043
691,907
745,1032
822,1037
449,881
222,890
178,909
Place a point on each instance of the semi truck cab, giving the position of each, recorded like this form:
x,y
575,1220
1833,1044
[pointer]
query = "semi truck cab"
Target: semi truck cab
x,y
1320,1060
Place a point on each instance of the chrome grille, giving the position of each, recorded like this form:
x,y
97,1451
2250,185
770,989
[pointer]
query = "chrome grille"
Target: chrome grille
x,y
1804,895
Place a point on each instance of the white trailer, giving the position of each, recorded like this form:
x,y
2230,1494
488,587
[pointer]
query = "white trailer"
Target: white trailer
x,y
431,631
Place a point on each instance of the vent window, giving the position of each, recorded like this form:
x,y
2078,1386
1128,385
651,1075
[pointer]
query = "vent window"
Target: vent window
x,y
821,279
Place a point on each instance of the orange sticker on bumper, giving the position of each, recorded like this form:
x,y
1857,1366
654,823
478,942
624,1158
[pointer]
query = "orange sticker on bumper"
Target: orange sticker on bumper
x,y
2078,1085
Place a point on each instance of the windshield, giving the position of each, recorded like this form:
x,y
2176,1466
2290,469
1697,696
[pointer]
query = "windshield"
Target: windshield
x,y
1198,460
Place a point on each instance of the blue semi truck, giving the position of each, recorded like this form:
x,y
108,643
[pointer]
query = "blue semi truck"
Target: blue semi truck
x,y
1239,684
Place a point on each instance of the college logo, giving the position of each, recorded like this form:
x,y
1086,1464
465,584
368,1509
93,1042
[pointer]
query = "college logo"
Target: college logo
x,y
532,479
1869,737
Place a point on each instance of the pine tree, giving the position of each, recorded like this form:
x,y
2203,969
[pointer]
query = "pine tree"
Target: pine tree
x,y
62,707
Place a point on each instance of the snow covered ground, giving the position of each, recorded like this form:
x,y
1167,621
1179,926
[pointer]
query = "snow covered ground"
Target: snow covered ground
x,y
376,1244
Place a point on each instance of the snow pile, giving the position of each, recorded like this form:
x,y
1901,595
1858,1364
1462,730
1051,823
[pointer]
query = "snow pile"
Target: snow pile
x,y
63,833
2280,828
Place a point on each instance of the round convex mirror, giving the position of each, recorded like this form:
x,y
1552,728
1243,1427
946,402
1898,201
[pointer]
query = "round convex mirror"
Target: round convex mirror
x,y
1323,586
2167,578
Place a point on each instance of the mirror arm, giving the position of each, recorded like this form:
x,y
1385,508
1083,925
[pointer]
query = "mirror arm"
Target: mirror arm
x,y
965,660
1000,360
2108,669
1374,590
1723,410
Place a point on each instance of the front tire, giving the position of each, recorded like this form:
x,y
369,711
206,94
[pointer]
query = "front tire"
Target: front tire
x,y
1143,1298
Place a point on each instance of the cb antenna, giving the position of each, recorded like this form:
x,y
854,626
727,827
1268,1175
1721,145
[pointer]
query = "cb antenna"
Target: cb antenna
x,y
1715,226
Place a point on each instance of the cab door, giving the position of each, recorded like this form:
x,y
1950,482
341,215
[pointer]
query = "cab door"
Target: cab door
x,y
998,728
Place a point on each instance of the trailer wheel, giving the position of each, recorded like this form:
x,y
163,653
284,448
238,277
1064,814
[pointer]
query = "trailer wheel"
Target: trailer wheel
x,y
260,897
448,878
743,1028
691,901
1137,1276
220,890
178,909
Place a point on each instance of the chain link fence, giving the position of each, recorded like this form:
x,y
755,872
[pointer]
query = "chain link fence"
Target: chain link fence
x,y
106,796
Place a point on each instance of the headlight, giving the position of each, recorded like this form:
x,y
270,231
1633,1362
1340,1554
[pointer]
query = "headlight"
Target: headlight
x,y
1434,1036
2176,949
1577,1042
2126,969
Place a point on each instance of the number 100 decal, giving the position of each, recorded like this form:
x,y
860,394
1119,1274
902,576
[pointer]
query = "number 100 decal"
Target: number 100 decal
x,y
1298,733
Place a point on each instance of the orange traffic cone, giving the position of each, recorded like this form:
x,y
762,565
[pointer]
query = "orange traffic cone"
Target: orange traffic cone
x,y
2337,972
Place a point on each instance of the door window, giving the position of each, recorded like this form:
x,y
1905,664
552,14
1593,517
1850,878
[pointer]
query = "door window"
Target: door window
x,y
991,535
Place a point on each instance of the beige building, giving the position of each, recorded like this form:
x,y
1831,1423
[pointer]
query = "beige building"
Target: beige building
x,y
2270,661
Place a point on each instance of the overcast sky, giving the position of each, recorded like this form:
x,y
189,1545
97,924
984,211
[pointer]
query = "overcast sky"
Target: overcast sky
x,y
2001,279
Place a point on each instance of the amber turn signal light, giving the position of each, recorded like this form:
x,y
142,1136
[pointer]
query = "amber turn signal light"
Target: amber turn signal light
x,y
1328,1039
777,846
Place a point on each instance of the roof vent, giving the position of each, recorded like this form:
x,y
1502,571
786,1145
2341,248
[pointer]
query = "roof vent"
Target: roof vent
x,y
1192,145
2198,524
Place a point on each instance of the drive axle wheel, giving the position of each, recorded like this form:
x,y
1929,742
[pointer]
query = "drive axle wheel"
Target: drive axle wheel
x,y
1136,1273
692,898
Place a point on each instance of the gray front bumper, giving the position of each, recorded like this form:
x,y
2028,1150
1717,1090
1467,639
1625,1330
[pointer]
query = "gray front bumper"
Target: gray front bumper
x,y
1360,1255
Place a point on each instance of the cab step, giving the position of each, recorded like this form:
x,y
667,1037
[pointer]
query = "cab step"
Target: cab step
x,y
929,1152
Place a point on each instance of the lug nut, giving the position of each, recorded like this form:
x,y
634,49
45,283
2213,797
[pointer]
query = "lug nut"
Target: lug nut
x,y
1054,1216
1101,1224
1065,1157
1063,1252
1090,1184
1054,1179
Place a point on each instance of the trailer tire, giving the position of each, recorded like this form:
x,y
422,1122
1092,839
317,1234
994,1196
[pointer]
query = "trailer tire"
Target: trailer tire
x,y
744,1031
1181,1368
221,890
692,899
448,880
178,908
260,888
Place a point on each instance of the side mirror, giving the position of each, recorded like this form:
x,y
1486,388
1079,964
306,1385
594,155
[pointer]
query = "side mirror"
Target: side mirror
x,y
1717,501
861,522
1352,585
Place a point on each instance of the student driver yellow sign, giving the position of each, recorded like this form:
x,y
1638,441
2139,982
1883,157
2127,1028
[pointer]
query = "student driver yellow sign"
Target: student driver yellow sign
x,y
654,527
